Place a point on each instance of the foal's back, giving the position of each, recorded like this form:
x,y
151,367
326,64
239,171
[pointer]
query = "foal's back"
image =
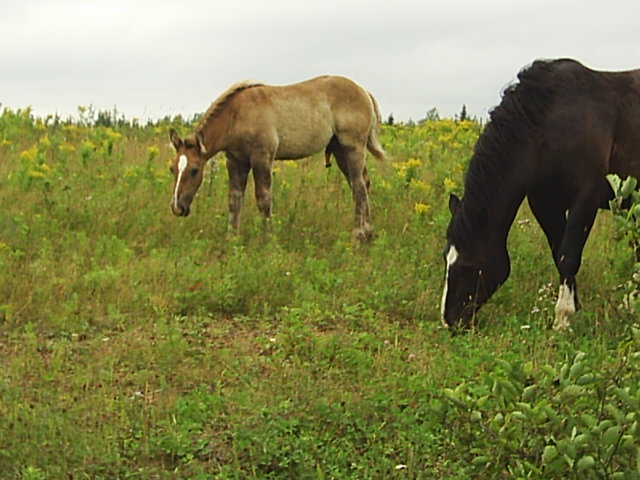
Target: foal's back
x,y
303,117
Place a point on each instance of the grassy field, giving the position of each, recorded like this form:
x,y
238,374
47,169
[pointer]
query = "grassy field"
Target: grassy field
x,y
137,345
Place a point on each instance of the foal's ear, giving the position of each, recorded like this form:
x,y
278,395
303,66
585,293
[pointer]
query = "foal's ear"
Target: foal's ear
x,y
200,142
454,204
175,139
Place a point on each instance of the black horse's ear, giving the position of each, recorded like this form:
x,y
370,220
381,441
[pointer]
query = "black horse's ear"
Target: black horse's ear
x,y
200,142
454,204
175,139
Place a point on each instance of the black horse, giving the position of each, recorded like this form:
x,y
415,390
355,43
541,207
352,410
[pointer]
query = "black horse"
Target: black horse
x,y
555,135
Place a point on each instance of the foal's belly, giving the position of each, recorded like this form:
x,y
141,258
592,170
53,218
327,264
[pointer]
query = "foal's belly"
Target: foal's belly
x,y
299,143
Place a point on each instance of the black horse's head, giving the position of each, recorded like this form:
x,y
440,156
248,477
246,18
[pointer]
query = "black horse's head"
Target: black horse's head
x,y
476,264
187,169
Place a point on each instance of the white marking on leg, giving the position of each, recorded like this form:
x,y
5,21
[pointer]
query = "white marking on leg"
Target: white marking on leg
x,y
452,256
565,307
182,164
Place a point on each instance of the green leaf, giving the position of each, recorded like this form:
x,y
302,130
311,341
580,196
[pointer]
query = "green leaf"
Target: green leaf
x,y
585,462
589,420
628,186
549,453
616,413
623,394
573,391
476,416
453,397
581,439
549,371
576,369
586,379
481,460
551,413
614,181
528,393
611,436
519,415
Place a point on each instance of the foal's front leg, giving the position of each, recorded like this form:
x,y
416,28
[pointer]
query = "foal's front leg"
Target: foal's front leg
x,y
238,172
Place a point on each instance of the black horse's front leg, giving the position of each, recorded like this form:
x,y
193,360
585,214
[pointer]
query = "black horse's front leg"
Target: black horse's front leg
x,y
580,219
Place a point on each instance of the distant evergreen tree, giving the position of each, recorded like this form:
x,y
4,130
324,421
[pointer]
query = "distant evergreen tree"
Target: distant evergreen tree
x,y
391,120
463,114
431,115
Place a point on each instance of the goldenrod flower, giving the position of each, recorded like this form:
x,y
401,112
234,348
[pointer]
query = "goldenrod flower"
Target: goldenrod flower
x,y
421,208
449,185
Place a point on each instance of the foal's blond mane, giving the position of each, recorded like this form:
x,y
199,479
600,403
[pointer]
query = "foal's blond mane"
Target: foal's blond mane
x,y
220,102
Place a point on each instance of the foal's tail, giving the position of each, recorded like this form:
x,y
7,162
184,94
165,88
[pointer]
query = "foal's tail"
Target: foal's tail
x,y
373,144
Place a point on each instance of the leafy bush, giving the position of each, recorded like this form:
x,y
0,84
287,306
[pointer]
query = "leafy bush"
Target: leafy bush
x,y
625,207
578,420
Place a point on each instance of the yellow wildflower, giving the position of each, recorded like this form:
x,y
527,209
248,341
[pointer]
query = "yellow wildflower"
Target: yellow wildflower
x,y
449,185
30,154
112,135
413,163
130,172
421,208
419,185
67,147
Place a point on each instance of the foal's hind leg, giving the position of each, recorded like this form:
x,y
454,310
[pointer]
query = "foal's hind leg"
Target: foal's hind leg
x,y
351,161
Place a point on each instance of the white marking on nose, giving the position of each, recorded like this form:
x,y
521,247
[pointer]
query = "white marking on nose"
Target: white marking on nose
x,y
565,307
452,256
182,164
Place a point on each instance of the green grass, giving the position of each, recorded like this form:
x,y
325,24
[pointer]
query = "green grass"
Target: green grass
x,y
137,345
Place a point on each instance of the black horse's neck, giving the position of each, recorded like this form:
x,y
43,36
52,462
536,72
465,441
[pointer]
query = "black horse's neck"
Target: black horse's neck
x,y
491,202
499,170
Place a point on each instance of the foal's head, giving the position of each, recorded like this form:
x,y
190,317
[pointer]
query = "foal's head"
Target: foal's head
x,y
474,267
187,169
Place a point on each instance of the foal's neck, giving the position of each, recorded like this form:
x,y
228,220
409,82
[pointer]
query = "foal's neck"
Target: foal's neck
x,y
214,132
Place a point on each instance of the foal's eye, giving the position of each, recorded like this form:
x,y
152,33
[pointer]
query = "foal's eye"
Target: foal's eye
x,y
172,169
194,172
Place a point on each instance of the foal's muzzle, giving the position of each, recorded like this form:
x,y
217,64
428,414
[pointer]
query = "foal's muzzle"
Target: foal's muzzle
x,y
181,209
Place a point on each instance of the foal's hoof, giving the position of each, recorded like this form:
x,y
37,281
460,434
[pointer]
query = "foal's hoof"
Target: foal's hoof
x,y
362,235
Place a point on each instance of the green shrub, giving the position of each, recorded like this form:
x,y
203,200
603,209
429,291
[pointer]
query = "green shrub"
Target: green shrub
x,y
577,420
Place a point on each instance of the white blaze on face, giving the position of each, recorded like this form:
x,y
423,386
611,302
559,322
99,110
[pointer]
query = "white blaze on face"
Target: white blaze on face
x,y
452,256
565,307
182,164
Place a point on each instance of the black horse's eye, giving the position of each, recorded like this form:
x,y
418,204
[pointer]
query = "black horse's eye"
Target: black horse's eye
x,y
194,172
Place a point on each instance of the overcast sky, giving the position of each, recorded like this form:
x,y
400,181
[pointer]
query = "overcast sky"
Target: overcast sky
x,y
151,58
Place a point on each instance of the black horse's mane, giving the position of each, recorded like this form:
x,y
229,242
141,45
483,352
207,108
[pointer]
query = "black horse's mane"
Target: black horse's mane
x,y
512,123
